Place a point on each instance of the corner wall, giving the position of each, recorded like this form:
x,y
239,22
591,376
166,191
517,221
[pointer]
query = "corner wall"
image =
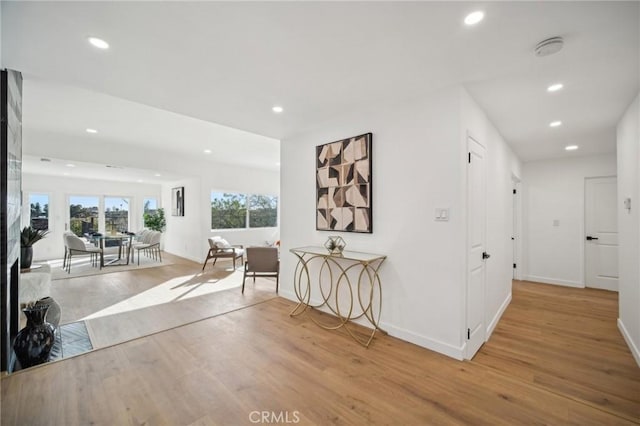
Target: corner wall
x,y
628,144
502,166
554,190
419,164
186,236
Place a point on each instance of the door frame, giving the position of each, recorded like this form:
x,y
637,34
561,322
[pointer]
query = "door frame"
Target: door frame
x,y
517,226
583,230
468,139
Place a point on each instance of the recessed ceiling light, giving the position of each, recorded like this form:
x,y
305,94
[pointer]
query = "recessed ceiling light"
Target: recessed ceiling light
x,y
277,109
571,147
207,151
92,131
474,17
555,87
98,42
70,165
157,175
555,123
139,180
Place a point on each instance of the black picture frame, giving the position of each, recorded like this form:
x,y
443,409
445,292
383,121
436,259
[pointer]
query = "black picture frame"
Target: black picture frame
x,y
177,201
344,185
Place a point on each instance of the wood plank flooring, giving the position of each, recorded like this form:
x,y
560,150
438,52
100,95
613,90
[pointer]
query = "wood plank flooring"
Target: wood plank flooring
x,y
566,340
220,370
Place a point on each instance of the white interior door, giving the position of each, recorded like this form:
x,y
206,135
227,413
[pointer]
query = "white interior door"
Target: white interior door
x,y
601,227
476,250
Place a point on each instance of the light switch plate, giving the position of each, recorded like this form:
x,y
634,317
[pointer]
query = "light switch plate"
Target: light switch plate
x,y
442,214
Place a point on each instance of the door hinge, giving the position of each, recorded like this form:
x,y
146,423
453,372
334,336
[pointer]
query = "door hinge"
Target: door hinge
x,y
468,333
514,266
515,192
469,158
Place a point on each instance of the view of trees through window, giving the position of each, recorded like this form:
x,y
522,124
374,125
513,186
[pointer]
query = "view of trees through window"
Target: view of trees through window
x,y
237,211
150,206
263,211
116,214
39,211
83,214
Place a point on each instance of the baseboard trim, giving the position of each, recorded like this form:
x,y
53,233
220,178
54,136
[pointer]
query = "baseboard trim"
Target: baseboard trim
x,y
498,315
553,281
424,341
184,256
627,338
406,335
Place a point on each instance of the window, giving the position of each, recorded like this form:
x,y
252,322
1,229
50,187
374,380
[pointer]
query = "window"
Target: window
x,y
39,217
150,206
263,211
241,211
228,210
83,214
116,214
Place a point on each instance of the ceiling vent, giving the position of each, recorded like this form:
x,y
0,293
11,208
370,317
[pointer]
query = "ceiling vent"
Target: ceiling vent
x,y
549,46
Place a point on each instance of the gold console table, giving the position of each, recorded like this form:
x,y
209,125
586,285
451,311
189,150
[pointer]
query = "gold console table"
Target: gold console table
x,y
340,268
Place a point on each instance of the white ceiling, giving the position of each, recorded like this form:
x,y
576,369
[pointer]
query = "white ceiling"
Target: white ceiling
x,y
230,62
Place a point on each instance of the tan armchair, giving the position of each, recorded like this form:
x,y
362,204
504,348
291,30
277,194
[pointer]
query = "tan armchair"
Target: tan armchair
x,y
220,248
262,262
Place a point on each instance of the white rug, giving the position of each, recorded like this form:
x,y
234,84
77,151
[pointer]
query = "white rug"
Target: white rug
x,y
81,267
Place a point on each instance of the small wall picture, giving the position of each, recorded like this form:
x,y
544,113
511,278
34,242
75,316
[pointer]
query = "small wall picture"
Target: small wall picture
x,y
177,201
343,185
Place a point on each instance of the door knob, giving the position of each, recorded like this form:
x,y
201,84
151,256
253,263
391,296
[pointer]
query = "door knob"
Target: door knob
x,y
485,255
590,238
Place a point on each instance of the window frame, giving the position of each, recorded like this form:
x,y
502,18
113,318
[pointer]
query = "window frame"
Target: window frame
x,y
27,208
247,196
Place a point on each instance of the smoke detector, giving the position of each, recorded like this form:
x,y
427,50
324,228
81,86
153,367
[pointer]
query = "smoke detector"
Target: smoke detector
x,y
549,46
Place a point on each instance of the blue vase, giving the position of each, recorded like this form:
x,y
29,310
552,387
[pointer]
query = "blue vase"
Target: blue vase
x,y
34,342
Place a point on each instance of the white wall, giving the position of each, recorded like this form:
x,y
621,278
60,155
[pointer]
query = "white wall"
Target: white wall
x,y
187,236
554,190
59,188
419,164
628,145
502,166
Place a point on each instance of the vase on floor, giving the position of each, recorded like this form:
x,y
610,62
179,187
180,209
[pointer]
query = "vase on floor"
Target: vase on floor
x,y
34,342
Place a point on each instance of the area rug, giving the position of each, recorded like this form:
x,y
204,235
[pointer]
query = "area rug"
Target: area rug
x,y
81,267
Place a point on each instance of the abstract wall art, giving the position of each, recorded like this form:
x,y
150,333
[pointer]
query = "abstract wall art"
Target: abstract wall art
x,y
343,185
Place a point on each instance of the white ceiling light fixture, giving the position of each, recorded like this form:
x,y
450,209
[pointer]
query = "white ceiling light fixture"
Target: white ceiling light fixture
x,y
70,165
555,87
571,147
277,109
157,175
139,180
91,131
549,46
474,17
98,42
556,123
207,151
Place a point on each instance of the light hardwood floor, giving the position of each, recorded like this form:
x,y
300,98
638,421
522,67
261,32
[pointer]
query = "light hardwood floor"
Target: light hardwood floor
x,y
220,370
121,306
